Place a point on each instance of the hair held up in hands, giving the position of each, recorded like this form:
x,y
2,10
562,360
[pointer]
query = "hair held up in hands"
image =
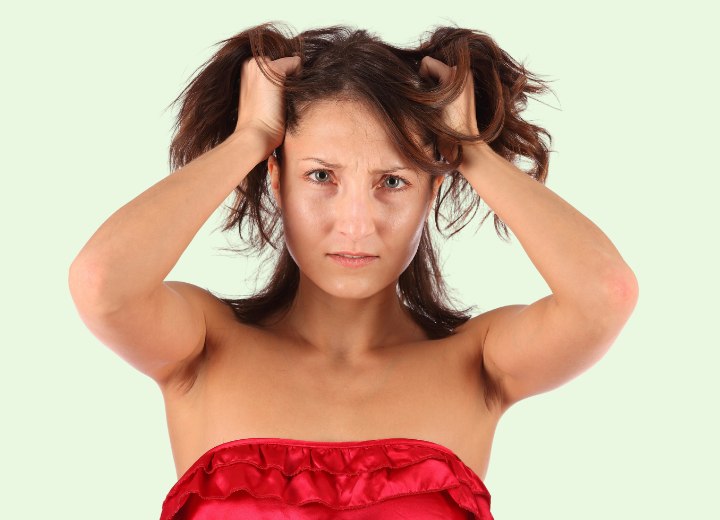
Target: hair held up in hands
x,y
339,62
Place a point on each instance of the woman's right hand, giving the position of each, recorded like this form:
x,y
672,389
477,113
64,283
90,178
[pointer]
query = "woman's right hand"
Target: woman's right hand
x,y
261,107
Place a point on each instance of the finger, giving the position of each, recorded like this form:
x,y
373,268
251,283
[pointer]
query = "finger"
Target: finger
x,y
436,69
287,65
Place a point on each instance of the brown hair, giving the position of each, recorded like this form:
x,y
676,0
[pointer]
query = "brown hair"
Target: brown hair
x,y
342,62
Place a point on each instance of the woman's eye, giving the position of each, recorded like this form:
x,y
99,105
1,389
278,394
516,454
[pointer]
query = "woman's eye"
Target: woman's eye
x,y
397,180
319,171
323,176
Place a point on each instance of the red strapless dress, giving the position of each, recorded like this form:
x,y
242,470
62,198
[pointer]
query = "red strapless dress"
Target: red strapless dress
x,y
271,478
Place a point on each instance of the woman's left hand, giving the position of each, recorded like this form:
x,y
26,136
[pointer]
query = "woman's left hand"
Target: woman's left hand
x,y
460,114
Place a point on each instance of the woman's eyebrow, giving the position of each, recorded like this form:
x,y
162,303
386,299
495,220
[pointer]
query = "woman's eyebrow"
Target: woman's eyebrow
x,y
331,165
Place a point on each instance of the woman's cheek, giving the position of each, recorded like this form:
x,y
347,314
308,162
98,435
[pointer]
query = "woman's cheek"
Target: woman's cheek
x,y
311,213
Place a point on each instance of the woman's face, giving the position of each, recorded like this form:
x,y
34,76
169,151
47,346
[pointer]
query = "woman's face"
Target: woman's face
x,y
351,205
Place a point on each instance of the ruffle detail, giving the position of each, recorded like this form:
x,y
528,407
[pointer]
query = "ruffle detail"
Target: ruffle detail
x,y
338,475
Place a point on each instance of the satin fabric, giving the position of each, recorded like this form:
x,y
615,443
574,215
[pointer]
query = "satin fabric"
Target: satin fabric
x,y
273,478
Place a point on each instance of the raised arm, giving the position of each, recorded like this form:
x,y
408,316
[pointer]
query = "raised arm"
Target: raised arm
x,y
117,279
530,349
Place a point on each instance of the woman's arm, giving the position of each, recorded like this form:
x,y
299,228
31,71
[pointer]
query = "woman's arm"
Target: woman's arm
x,y
534,348
159,327
117,280
529,349
130,255
576,259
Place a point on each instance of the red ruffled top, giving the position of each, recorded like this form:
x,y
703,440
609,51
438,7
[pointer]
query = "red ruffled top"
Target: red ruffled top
x,y
267,478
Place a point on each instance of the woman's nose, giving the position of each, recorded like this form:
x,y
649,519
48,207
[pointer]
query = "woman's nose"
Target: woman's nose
x,y
354,213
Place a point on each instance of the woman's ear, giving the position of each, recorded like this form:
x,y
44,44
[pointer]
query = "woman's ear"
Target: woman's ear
x,y
274,172
436,181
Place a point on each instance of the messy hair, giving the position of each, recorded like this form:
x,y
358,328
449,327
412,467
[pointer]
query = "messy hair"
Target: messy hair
x,y
340,62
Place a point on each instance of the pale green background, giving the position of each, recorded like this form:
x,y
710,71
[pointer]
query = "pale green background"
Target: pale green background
x,y
635,128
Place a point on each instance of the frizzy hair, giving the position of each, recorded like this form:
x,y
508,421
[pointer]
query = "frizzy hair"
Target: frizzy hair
x,y
339,62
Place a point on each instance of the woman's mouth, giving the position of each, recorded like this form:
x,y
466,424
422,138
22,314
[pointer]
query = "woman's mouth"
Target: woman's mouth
x,y
352,261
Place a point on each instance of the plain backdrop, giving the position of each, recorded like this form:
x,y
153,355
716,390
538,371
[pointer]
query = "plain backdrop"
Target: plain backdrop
x,y
635,125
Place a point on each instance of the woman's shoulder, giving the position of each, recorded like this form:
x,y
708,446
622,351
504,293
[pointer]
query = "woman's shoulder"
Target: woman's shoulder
x,y
220,320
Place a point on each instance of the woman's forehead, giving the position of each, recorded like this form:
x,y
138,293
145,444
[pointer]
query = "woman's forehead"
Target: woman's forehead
x,y
341,119
345,124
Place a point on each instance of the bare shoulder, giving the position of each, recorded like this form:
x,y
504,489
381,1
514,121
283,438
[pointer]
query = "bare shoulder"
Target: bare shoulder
x,y
219,320
480,324
219,316
474,325
471,336
475,332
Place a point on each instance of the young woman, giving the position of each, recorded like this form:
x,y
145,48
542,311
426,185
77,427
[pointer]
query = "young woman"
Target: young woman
x,y
348,387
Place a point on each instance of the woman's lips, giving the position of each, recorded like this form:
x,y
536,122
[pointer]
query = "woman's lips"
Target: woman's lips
x,y
353,262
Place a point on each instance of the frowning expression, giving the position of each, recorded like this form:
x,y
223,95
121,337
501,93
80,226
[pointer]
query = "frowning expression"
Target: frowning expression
x,y
344,187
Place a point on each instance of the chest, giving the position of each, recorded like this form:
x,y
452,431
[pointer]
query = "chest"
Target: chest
x,y
256,385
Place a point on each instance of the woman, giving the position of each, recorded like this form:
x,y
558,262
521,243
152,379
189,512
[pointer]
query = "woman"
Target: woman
x,y
347,387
